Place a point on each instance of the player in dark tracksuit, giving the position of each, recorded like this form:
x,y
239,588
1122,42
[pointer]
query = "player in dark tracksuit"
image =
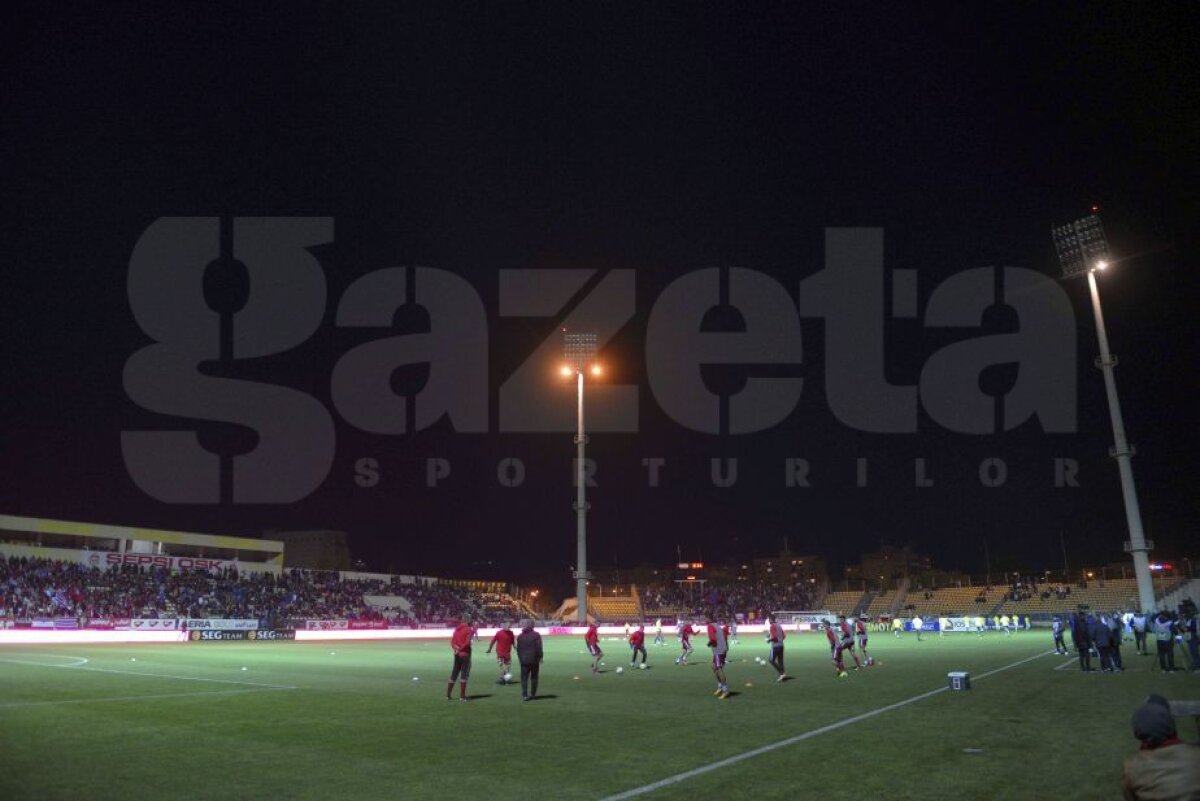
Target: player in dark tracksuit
x,y
529,654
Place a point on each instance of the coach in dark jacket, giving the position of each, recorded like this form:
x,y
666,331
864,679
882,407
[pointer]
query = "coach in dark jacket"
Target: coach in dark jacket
x,y
1116,634
1098,628
529,654
1082,639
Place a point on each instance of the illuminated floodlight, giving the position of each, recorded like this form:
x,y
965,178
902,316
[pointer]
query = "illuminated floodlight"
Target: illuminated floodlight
x,y
579,350
1081,246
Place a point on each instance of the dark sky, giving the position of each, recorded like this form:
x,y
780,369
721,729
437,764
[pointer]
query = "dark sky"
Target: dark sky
x,y
611,137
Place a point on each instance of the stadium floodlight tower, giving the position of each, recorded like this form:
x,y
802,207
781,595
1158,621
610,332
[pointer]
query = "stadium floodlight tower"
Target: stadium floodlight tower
x,y
1083,250
579,349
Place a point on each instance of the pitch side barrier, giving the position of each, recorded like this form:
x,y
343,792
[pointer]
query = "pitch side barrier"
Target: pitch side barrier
x,y
31,636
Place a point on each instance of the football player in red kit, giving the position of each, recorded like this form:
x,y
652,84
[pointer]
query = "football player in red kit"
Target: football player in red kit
x,y
592,640
860,633
503,641
685,640
460,644
718,641
637,642
835,653
775,637
846,640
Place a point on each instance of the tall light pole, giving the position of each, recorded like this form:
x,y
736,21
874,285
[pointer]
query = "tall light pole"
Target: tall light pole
x,y
580,352
1083,250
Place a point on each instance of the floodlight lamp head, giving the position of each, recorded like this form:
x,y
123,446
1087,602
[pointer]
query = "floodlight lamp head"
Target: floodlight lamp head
x,y
579,349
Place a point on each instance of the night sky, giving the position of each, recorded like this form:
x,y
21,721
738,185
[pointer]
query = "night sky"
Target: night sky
x,y
475,139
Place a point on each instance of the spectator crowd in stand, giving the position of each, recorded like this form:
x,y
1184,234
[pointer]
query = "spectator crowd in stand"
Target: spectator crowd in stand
x,y
43,588
749,599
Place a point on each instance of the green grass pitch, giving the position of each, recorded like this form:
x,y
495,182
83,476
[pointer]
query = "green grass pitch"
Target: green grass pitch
x,y
186,722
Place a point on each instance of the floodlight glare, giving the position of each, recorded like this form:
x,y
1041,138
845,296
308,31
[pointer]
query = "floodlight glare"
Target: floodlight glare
x,y
1102,264
596,370
565,370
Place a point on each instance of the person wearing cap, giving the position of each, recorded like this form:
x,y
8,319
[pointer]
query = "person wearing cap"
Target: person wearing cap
x,y
1165,768
529,655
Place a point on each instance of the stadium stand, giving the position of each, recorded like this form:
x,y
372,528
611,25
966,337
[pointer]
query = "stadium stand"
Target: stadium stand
x,y
951,601
31,587
621,609
841,602
751,600
881,604
1108,595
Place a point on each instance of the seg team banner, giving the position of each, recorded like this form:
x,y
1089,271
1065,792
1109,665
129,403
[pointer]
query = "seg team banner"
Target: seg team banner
x,y
239,635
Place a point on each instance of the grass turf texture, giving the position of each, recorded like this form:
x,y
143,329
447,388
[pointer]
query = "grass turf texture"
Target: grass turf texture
x,y
357,726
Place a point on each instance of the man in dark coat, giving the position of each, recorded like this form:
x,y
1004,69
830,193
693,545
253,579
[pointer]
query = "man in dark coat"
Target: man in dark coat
x,y
1082,639
1116,633
1098,628
529,654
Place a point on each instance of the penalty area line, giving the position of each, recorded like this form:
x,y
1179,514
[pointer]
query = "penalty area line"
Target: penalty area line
x,y
200,694
766,749
79,660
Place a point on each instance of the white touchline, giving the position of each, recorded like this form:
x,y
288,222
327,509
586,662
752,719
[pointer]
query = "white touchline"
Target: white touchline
x,y
1071,663
200,694
766,749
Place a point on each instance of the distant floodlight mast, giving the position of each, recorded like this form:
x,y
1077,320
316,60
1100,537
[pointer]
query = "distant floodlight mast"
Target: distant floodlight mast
x,y
579,349
1083,250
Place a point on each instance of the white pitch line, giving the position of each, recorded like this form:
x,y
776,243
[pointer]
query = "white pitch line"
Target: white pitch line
x,y
1065,665
79,661
202,694
766,749
181,678
80,666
